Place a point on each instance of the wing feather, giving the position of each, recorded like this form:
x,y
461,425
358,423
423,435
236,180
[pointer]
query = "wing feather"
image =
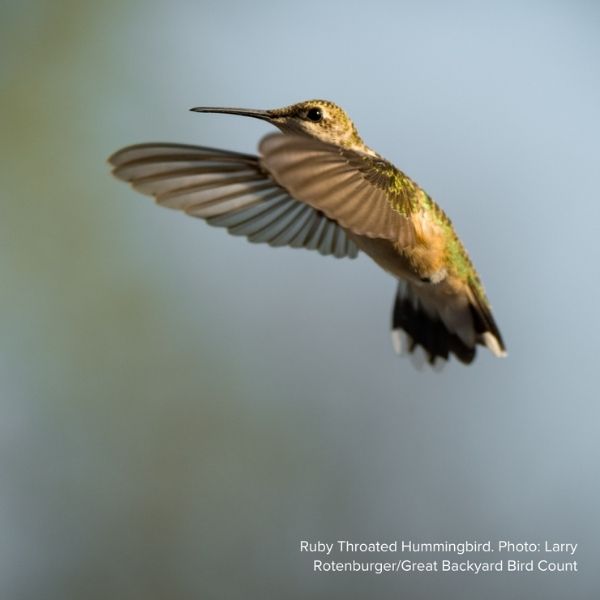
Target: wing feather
x,y
344,184
231,190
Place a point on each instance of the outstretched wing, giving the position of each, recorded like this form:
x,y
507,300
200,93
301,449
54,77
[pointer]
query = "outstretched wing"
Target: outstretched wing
x,y
365,194
231,190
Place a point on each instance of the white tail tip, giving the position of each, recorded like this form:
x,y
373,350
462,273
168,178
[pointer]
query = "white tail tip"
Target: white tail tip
x,y
492,344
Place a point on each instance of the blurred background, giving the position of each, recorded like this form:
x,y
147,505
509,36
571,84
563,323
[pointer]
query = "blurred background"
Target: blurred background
x,y
179,408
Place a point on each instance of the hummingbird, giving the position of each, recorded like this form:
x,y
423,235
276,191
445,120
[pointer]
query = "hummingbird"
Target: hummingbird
x,y
315,184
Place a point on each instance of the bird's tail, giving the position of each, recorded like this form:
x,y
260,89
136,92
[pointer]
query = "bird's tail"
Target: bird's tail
x,y
443,325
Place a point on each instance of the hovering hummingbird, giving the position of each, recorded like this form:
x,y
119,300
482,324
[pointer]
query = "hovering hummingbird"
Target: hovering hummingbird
x,y
317,185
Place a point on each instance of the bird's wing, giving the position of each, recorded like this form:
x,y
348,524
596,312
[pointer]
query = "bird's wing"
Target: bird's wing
x,y
365,194
232,190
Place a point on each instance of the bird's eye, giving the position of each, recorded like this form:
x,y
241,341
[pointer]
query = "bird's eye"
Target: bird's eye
x,y
314,114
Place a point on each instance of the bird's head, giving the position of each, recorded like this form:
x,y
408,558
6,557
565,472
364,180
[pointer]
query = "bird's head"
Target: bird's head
x,y
318,119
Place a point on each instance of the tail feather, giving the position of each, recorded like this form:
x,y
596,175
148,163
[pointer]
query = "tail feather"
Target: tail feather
x,y
416,321
485,325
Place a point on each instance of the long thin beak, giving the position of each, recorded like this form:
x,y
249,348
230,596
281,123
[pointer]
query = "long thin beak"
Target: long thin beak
x,y
265,115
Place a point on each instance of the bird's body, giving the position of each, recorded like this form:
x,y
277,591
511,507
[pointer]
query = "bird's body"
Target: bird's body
x,y
317,185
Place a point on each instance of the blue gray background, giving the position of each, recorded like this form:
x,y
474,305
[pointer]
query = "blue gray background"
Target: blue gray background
x,y
179,408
